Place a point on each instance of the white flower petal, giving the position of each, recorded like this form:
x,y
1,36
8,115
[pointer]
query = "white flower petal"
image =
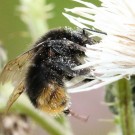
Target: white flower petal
x,y
114,57
94,84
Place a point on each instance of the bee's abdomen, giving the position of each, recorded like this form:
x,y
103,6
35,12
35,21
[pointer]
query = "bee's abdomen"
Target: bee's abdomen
x,y
38,77
53,99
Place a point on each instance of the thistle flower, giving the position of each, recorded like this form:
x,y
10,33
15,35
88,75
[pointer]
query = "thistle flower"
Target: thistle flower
x,y
114,57
35,15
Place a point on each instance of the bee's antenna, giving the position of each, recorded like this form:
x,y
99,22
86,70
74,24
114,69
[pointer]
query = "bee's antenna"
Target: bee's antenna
x,y
100,32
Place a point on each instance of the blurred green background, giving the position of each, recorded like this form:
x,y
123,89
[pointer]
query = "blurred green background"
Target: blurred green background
x,y
15,39
13,31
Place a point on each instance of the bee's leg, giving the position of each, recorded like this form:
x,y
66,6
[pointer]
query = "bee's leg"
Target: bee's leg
x,y
62,47
80,117
68,50
66,69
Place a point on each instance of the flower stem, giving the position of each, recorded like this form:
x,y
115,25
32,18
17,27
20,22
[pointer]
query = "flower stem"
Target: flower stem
x,y
48,123
124,96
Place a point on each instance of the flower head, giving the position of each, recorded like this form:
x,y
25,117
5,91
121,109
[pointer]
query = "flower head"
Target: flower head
x,y
114,57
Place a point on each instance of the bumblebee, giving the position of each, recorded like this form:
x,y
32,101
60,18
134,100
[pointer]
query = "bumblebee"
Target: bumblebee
x,y
42,70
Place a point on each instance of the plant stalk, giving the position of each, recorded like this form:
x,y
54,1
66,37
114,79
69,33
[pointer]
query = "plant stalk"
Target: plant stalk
x,y
125,106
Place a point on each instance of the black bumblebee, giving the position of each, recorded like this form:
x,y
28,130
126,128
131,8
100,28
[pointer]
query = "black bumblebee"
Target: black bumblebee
x,y
41,71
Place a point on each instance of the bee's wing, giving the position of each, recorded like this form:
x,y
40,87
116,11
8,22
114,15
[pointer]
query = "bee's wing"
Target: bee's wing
x,y
15,69
19,89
